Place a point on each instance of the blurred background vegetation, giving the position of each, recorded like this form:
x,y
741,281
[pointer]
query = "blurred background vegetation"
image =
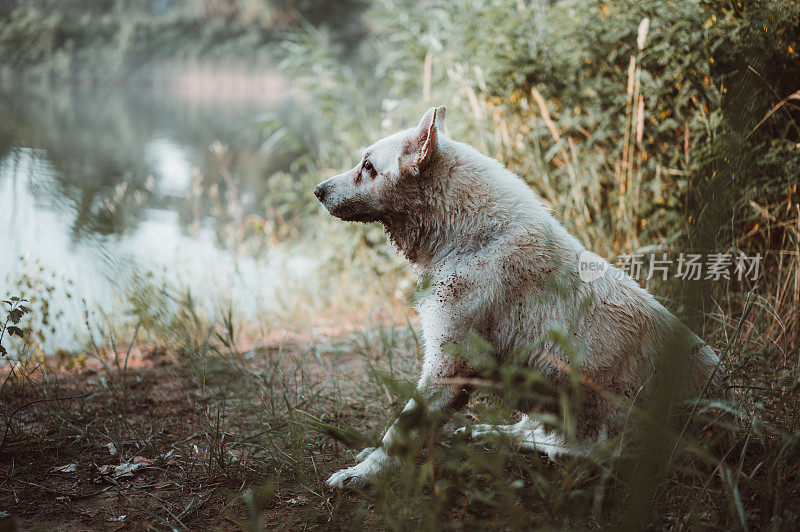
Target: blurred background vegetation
x,y
666,126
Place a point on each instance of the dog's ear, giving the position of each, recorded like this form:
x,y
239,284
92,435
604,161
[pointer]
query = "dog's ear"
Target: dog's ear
x,y
428,130
424,141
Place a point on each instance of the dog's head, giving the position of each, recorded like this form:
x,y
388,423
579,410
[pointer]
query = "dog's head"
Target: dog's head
x,y
368,192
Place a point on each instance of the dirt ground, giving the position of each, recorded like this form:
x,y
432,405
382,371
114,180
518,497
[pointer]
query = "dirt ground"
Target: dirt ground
x,y
88,453
182,441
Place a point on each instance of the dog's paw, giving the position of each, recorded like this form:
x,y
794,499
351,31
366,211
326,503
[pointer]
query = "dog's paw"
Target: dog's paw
x,y
349,477
362,473
366,451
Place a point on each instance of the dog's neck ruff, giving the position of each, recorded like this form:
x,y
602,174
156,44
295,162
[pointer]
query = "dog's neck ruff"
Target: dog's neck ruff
x,y
444,218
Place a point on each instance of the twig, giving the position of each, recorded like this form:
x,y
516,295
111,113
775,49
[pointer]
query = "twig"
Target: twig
x,y
127,355
74,496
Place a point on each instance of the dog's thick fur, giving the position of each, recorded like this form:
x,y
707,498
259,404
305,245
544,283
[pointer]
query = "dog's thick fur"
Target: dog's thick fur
x,y
503,268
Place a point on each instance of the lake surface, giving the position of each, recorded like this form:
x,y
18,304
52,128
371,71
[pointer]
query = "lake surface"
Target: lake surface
x,y
96,183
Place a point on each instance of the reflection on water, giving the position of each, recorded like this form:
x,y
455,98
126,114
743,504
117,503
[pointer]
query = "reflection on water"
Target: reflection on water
x,y
96,183
172,165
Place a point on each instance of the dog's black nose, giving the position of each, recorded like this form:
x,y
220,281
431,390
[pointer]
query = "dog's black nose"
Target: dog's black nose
x,y
319,192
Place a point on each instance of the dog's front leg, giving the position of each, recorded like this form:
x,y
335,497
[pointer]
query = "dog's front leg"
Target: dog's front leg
x,y
436,398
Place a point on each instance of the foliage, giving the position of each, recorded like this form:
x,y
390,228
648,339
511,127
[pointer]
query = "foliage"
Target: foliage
x,y
114,39
16,309
16,362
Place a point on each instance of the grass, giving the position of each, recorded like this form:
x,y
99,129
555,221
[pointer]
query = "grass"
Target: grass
x,y
218,414
207,416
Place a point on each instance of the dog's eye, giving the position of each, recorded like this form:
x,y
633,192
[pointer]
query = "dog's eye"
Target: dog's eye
x,y
368,167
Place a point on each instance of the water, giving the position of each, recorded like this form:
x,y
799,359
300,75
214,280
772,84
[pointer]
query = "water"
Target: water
x,y
96,183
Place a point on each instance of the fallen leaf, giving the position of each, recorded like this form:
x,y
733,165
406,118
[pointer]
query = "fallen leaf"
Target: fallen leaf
x,y
69,468
168,455
126,469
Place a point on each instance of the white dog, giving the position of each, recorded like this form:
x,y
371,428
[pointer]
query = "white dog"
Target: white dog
x,y
503,268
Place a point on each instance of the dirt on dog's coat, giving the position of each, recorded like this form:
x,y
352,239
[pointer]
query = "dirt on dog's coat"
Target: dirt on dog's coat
x,y
504,268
